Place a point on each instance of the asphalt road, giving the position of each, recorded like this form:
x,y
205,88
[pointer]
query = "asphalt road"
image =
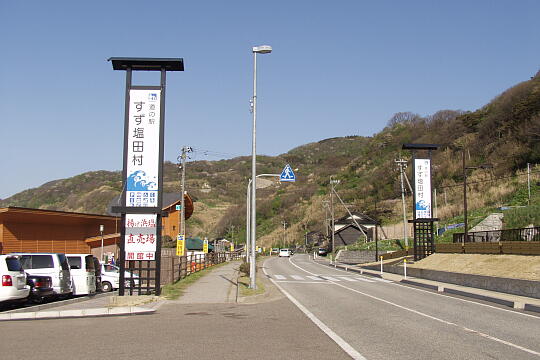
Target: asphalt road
x,y
271,330
376,319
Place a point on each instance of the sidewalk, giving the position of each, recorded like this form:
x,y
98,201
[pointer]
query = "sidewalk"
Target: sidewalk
x,y
514,301
218,286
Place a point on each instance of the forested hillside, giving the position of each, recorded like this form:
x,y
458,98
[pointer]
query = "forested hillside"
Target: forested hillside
x,y
504,133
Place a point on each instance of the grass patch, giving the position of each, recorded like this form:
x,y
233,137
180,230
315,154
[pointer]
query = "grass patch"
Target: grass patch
x,y
175,290
243,283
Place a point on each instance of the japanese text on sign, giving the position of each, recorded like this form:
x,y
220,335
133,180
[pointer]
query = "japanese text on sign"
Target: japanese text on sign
x,y
140,236
422,188
143,148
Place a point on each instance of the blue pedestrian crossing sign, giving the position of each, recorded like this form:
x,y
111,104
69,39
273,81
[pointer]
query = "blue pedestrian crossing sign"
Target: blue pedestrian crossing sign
x,y
287,174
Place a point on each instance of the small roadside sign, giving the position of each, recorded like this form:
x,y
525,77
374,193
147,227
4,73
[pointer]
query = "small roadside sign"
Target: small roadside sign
x,y
232,247
178,207
287,174
180,245
205,246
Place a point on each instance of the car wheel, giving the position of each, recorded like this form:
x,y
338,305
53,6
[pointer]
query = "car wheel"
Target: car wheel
x,y
106,286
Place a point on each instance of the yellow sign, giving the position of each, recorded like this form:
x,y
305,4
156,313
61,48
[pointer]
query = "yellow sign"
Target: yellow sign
x,y
232,247
180,245
205,246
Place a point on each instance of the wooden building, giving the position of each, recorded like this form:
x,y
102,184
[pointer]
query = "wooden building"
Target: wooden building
x,y
36,230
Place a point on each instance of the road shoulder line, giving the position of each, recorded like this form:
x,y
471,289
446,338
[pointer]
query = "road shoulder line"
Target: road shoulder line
x,y
335,337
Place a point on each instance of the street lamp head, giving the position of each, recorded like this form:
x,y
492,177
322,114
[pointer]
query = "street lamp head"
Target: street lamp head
x,y
263,49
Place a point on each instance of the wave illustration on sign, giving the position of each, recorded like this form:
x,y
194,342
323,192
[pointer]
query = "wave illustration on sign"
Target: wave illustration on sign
x,y
138,181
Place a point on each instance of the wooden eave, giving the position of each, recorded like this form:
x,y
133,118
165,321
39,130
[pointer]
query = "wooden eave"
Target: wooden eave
x,y
39,216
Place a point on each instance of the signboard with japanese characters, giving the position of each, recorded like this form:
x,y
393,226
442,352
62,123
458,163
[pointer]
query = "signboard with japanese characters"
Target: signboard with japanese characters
x,y
143,148
205,246
140,237
180,245
422,188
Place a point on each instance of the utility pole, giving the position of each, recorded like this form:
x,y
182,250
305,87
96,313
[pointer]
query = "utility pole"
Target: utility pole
x,y
284,233
182,218
403,165
529,183
332,223
465,233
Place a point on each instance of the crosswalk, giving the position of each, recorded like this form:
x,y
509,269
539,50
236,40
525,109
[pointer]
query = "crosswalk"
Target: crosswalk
x,y
324,278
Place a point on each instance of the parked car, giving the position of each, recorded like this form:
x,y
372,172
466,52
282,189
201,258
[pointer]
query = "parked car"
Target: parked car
x,y
40,288
14,287
284,253
274,251
110,278
83,273
49,264
322,251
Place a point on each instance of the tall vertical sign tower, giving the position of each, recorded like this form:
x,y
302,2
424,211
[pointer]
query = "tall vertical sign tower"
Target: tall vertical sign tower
x,y
424,240
140,245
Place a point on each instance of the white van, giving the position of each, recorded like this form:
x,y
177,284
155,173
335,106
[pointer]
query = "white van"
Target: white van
x,y
13,286
54,265
83,273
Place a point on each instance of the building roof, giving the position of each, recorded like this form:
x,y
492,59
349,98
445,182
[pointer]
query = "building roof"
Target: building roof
x,y
40,216
350,226
361,219
196,244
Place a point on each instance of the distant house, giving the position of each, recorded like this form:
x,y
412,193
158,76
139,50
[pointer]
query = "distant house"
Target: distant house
x,y
348,230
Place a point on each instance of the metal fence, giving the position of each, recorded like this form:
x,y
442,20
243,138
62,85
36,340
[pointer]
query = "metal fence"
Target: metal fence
x,y
524,234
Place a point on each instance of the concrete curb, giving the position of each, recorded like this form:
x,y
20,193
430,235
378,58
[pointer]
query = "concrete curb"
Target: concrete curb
x,y
35,308
96,312
444,288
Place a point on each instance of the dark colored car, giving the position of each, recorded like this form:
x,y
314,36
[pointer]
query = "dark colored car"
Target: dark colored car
x,y
97,267
322,252
40,288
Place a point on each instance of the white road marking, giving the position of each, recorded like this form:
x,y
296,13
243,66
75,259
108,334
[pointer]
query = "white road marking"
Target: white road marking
x,y
338,340
314,278
448,296
280,277
466,329
364,279
329,278
303,282
347,278
297,277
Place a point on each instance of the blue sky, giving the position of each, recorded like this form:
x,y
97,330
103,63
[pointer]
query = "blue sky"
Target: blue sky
x,y
338,68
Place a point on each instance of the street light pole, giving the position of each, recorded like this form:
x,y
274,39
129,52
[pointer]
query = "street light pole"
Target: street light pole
x,y
465,233
264,49
101,228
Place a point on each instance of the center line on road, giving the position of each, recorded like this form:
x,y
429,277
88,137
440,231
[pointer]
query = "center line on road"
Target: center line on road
x,y
466,329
